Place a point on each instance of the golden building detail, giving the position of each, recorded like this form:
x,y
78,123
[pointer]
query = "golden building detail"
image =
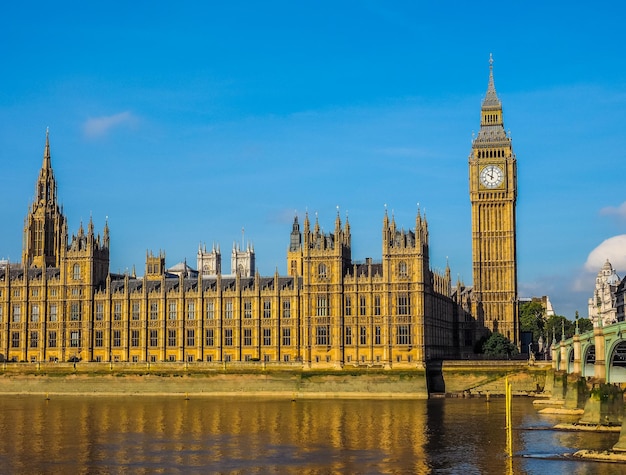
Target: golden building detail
x,y
493,195
62,303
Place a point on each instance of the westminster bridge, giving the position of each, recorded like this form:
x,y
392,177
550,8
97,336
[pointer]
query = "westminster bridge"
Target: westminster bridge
x,y
599,354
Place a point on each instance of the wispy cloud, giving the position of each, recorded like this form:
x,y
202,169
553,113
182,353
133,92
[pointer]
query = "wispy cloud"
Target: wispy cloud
x,y
619,211
100,126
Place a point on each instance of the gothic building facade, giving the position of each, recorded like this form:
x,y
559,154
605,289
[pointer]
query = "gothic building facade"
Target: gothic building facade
x,y
62,303
493,196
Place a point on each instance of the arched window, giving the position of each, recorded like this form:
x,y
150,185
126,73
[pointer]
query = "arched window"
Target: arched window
x,y
321,271
76,272
402,269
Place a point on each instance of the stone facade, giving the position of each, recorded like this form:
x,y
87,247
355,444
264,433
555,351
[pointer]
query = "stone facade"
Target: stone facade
x,y
608,297
493,195
62,303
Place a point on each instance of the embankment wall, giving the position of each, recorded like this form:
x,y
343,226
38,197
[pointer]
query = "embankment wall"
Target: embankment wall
x,y
460,378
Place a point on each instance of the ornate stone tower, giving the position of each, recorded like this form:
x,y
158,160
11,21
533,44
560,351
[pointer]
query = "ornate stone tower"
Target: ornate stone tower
x,y
45,225
493,194
294,253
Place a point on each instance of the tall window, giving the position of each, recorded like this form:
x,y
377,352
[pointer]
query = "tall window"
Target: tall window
x,y
321,271
99,311
76,272
377,335
75,311
117,311
154,337
247,337
286,309
267,336
15,340
98,339
52,339
154,310
321,335
348,335
286,336
247,309
34,339
322,307
210,339
402,269
53,312
348,306
403,336
134,338
377,305
363,336
75,339
228,311
403,304
135,311
210,309
362,305
191,310
117,338
191,337
171,338
17,313
228,337
267,308
34,314
171,314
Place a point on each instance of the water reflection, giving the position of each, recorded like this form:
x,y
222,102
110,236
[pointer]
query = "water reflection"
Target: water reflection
x,y
173,435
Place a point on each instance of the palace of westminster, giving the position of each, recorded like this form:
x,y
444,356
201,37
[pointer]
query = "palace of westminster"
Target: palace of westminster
x,y
62,303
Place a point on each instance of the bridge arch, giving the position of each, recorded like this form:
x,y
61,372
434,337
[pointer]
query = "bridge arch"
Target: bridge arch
x,y
588,360
616,370
570,360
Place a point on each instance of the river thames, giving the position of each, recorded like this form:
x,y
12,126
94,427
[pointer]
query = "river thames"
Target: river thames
x,y
140,434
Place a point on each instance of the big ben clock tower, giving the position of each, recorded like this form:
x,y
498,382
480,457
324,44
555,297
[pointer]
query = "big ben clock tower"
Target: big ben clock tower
x,y
493,193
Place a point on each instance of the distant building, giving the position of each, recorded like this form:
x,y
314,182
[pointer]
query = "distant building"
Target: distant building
x,y
607,297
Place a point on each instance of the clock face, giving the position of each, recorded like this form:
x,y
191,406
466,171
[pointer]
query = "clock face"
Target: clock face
x,y
491,176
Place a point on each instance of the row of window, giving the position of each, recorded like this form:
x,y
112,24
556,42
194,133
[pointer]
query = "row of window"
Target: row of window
x,y
322,337
403,307
322,269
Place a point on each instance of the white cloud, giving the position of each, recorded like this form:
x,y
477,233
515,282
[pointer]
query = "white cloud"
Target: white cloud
x,y
619,211
613,249
100,126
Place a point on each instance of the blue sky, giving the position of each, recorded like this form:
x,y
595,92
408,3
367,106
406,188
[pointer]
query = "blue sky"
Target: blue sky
x,y
184,122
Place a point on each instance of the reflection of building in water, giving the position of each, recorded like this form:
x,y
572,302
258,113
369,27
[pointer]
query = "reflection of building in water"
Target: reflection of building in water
x,y
218,435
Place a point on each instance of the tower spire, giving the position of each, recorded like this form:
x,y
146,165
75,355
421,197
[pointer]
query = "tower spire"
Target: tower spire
x,y
491,98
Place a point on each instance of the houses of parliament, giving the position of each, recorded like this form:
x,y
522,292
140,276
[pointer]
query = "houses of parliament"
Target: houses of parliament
x,y
62,303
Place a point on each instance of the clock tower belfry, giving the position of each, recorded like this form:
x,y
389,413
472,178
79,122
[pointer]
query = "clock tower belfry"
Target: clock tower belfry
x,y
493,194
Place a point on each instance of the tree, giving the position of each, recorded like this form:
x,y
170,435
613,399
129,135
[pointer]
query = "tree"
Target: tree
x,y
556,325
499,346
584,325
532,319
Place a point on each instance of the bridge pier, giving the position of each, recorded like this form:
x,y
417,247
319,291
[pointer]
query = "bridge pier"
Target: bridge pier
x,y
576,392
604,406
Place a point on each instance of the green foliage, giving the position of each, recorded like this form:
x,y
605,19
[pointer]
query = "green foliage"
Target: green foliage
x,y
532,319
557,324
499,346
584,325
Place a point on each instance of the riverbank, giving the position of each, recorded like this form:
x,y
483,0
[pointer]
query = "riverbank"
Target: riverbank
x,y
466,379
